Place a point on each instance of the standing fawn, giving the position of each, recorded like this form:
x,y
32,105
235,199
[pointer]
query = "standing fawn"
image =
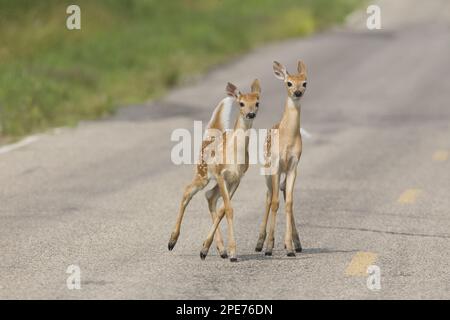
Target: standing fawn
x,y
284,159
215,164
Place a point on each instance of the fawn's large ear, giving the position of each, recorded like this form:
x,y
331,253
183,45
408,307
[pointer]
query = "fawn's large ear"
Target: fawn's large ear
x,y
256,87
231,90
279,70
301,67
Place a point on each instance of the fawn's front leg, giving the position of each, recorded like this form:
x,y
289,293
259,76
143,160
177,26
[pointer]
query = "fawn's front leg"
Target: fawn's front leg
x,y
274,209
263,227
290,224
289,209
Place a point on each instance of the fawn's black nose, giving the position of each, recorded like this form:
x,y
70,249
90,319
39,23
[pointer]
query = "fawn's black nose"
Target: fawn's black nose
x,y
251,115
298,93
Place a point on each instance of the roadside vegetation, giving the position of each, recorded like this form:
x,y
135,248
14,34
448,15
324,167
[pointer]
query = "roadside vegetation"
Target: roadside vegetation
x,y
129,51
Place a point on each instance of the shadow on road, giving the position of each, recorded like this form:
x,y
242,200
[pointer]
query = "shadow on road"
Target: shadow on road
x,y
299,256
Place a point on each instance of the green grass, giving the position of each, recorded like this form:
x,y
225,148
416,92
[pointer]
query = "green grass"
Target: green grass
x,y
129,51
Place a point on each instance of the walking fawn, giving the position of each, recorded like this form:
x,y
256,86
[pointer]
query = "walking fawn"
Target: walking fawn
x,y
284,160
226,171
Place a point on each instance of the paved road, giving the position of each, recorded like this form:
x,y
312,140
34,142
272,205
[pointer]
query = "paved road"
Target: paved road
x,y
373,186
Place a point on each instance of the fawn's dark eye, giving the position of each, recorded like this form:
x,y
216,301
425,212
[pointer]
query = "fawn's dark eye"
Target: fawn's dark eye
x,y
241,104
289,84
257,104
304,84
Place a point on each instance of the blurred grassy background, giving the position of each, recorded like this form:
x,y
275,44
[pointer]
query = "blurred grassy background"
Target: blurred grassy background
x,y
128,51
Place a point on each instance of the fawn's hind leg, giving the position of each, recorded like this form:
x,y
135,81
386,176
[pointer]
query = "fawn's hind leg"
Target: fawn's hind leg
x,y
212,196
191,189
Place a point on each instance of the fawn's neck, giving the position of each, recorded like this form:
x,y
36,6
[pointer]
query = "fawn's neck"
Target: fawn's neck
x,y
290,121
242,125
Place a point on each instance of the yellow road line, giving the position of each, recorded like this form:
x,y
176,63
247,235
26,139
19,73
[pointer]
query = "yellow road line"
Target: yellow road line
x,y
409,196
441,155
360,261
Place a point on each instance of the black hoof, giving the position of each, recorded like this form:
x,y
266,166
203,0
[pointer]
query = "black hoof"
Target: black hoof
x,y
224,255
259,244
202,255
298,249
233,259
268,253
291,254
171,245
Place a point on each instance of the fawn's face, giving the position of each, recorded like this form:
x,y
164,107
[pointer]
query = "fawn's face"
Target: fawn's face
x,y
295,83
248,102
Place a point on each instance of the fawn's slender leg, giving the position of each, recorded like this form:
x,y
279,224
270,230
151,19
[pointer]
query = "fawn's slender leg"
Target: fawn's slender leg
x,y
296,238
228,211
230,219
283,188
221,213
191,189
212,196
232,188
210,237
290,183
274,209
263,227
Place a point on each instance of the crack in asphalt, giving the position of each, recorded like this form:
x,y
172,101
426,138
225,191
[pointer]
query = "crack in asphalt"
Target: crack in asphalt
x,y
423,235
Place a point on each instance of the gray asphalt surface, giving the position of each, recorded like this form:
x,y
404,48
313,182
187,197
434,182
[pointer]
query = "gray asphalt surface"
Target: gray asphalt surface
x,y
104,196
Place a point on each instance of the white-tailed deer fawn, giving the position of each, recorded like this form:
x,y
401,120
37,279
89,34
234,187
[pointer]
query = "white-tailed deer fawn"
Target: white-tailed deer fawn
x,y
225,161
284,159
